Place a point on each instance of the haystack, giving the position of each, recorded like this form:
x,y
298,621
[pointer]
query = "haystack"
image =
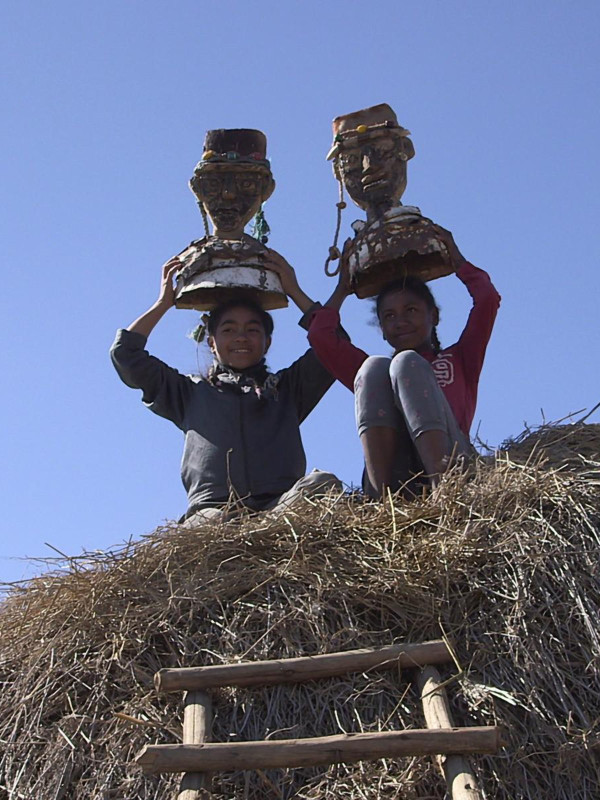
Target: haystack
x,y
505,564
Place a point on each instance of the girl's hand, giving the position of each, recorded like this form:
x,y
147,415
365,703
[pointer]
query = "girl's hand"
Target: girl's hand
x,y
448,240
289,282
166,297
343,288
277,264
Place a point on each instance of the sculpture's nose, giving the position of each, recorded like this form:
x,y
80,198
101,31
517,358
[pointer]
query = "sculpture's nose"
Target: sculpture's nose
x,y
228,192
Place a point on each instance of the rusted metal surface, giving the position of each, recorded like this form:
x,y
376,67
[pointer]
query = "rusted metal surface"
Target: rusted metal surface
x,y
213,269
402,242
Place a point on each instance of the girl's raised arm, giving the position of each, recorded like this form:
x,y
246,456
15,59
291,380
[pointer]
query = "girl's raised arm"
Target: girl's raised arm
x,y
166,299
289,282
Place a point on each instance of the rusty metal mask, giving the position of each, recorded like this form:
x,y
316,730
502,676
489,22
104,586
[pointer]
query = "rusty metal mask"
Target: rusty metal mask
x,y
370,152
231,193
373,170
231,182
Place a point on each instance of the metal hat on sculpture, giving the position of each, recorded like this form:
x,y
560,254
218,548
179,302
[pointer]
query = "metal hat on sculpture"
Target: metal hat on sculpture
x,y
370,152
231,183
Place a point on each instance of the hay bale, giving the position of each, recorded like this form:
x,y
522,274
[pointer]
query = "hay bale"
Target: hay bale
x,y
564,447
505,564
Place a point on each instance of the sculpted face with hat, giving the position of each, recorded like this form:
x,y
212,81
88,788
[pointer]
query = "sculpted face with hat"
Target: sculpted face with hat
x,y
370,151
231,182
233,179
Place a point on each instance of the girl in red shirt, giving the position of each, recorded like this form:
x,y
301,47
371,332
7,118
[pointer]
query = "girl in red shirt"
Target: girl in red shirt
x,y
414,409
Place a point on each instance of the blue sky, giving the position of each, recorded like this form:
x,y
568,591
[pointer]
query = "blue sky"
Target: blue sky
x,y
105,106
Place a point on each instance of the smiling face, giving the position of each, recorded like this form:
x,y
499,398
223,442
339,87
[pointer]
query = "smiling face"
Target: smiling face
x,y
231,195
240,340
407,321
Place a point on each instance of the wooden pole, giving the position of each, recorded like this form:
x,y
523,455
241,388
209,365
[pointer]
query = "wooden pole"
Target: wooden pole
x,y
456,769
306,668
323,750
197,723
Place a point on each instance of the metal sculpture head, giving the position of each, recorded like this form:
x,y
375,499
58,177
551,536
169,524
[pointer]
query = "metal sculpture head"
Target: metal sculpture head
x,y
233,179
369,152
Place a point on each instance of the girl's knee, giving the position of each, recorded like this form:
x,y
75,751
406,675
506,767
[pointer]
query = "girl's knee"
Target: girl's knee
x,y
413,383
374,369
373,395
407,364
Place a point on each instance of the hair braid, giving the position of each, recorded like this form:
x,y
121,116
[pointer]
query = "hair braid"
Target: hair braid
x,y
435,341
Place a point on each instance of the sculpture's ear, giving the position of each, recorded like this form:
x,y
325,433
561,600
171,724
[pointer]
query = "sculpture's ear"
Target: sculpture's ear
x,y
408,147
268,187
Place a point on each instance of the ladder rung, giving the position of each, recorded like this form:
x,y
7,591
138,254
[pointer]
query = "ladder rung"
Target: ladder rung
x,y
320,751
304,668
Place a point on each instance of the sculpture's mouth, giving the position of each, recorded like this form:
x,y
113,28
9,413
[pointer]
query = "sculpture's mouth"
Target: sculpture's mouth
x,y
374,184
230,214
227,210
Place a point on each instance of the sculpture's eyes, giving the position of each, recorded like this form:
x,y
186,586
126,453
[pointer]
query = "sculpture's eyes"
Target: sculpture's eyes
x,y
351,160
211,186
384,150
383,154
248,185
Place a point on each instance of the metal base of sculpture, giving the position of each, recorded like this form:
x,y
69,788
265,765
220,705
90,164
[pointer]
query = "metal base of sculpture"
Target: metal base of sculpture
x,y
402,242
214,270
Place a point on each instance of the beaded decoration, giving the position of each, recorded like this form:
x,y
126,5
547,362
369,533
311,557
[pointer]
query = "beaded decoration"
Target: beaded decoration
x,y
199,332
212,157
260,227
204,217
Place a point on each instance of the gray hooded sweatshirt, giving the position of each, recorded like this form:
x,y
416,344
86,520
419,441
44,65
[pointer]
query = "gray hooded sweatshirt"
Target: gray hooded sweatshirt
x,y
235,441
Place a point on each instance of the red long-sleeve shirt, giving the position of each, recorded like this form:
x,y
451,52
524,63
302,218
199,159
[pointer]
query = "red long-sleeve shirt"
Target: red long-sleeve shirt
x,y
457,368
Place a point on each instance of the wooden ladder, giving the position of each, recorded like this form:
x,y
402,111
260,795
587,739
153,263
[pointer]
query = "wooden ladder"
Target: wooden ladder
x,y
197,757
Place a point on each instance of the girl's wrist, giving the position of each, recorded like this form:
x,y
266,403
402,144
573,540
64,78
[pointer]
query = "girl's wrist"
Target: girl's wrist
x,y
164,304
301,299
342,291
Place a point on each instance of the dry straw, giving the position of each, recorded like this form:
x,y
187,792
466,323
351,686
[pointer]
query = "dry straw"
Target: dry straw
x,y
506,564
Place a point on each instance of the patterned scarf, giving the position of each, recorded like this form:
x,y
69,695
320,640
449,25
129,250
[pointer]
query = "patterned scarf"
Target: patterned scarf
x,y
255,379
